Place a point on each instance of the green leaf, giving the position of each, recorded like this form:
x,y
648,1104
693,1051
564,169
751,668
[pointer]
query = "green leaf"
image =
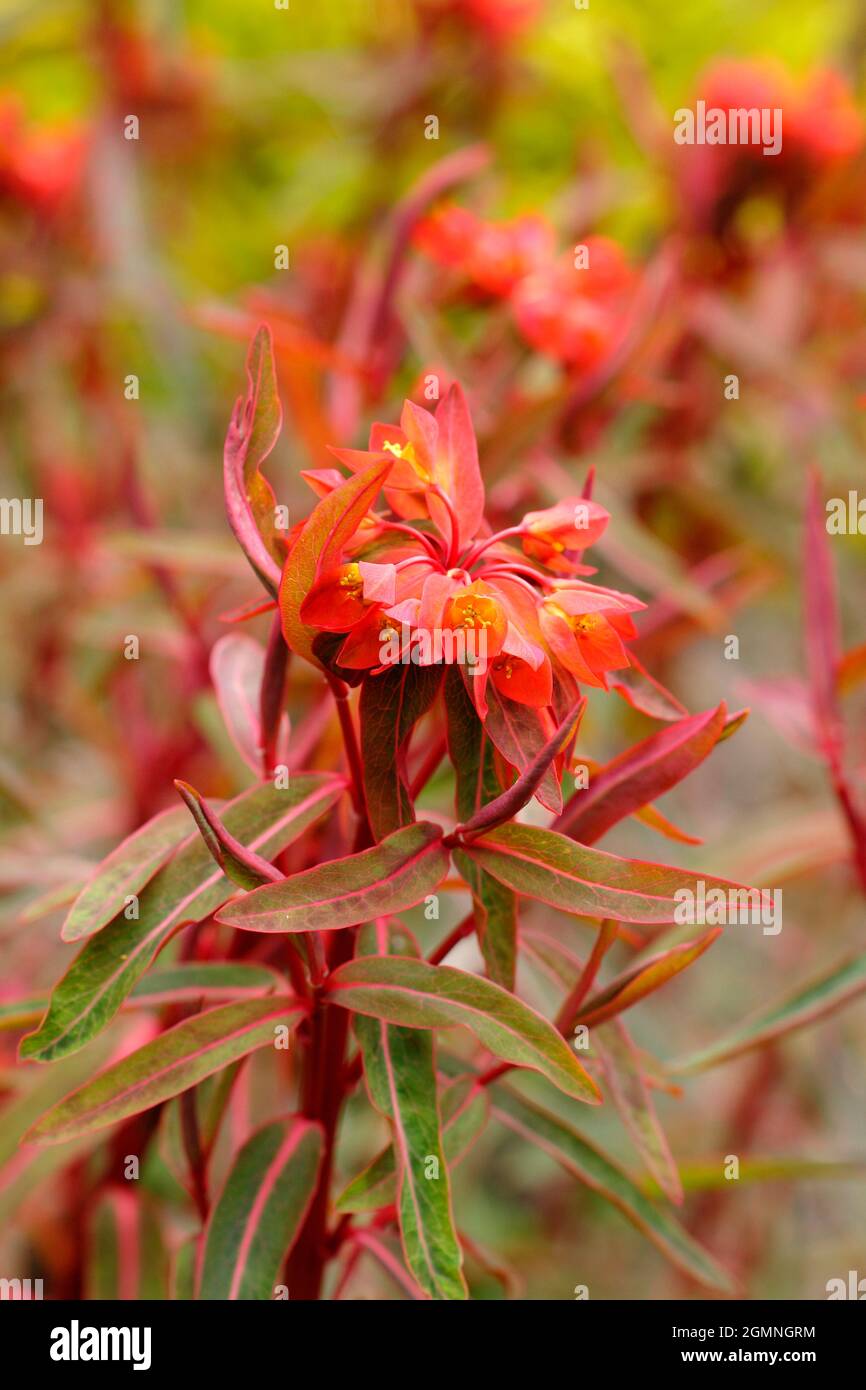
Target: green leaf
x,y
642,773
169,1064
242,866
464,1108
393,875
411,992
520,733
173,984
643,979
808,1004
260,1210
632,1098
548,866
188,889
390,707
710,1176
596,1170
126,1258
319,547
124,873
400,1072
494,906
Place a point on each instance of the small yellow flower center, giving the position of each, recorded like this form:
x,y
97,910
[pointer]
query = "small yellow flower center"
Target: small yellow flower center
x,y
351,581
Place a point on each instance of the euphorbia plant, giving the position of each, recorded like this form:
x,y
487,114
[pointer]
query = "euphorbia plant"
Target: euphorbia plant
x,y
438,641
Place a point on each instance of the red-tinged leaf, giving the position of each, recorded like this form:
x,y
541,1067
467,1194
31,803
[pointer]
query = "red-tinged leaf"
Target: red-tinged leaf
x,y
417,995
272,699
369,1240
124,873
823,653
465,1109
237,667
457,470
807,1005
473,757
243,866
173,1062
126,1260
253,608
260,1211
210,1099
593,1168
188,889
631,1096
212,979
390,707
551,867
393,875
643,979
652,816
505,806
851,669
319,546
644,693
253,431
821,621
400,1072
639,775
786,703
520,733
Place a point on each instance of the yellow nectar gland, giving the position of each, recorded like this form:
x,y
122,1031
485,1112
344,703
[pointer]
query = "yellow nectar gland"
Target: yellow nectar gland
x,y
407,453
351,581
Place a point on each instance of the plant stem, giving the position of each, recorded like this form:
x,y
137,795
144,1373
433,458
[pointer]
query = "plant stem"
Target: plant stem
x,y
322,1100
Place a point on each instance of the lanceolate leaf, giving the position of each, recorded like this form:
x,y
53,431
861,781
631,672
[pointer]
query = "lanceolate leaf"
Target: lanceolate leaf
x,y
126,1259
641,774
125,872
391,876
546,865
632,1098
172,1063
260,1210
520,733
464,1108
495,911
810,1003
252,433
411,992
172,984
241,865
400,1071
509,802
188,889
711,1175
237,665
391,705
593,1168
650,975
318,547
494,905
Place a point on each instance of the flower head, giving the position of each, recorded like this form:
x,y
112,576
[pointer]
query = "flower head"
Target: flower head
x,y
426,581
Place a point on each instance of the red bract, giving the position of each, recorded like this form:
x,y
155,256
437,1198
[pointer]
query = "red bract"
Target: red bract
x,y
492,255
821,128
431,584
41,167
575,309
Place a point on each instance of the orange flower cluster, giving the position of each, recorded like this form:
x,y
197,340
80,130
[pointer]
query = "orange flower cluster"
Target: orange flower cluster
x,y
430,583
570,307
